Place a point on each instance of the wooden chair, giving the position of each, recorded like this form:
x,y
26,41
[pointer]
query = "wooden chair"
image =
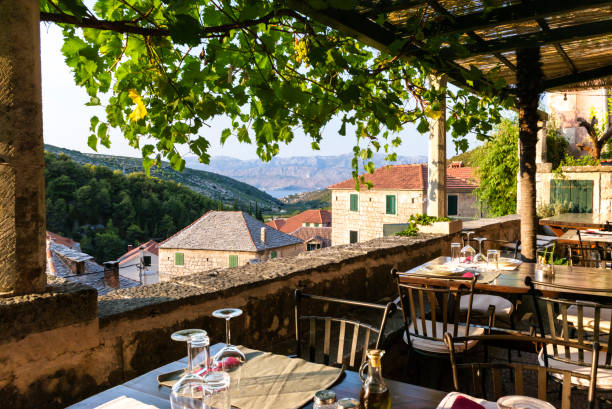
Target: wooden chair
x,y
438,311
339,334
588,256
582,322
486,380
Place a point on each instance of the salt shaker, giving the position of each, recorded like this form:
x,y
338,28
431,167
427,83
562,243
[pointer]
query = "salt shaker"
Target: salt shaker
x,y
348,403
324,399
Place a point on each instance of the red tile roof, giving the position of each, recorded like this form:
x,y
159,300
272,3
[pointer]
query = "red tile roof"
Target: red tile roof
x,y
64,241
150,246
323,234
291,224
413,177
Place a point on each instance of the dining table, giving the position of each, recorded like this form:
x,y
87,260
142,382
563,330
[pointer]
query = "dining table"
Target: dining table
x,y
586,236
145,389
569,281
577,221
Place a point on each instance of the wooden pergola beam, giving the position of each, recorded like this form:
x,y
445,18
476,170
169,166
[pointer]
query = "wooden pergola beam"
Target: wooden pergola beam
x,y
530,40
579,77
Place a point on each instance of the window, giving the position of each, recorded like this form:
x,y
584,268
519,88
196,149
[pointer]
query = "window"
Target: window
x,y
354,202
316,225
233,261
313,246
452,205
179,259
307,224
353,236
273,254
390,204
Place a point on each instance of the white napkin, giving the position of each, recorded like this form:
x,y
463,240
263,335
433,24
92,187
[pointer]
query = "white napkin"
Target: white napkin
x,y
449,399
123,402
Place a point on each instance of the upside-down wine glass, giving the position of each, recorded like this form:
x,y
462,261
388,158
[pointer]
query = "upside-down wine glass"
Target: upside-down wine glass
x,y
189,391
185,335
229,359
479,257
468,252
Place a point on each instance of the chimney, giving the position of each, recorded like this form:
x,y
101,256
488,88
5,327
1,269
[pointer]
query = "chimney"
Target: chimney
x,y
263,235
130,247
111,274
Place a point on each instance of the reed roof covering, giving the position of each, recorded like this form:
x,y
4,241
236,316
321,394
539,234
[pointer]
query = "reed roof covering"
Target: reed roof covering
x,y
575,36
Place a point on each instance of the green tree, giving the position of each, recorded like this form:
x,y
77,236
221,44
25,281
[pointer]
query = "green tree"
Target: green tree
x,y
134,235
171,67
107,246
497,170
166,227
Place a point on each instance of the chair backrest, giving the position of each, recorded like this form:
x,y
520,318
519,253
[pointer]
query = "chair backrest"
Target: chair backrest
x,y
581,322
487,380
435,299
335,340
586,255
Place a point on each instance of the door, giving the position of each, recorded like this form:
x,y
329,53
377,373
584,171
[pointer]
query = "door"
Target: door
x,y
452,205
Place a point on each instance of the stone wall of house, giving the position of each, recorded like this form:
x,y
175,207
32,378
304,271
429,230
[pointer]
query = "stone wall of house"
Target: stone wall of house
x,y
203,260
62,346
368,221
600,175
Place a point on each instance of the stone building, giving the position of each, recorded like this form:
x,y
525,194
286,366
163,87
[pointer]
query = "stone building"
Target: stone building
x,y
221,239
398,192
312,226
130,263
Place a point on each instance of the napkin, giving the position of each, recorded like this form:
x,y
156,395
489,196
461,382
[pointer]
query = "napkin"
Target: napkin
x,y
465,403
453,399
123,402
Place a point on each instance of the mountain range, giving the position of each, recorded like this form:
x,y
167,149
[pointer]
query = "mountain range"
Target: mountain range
x,y
212,185
285,176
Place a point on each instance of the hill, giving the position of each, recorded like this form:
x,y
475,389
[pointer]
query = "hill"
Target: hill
x,y
318,199
212,185
285,176
106,210
468,158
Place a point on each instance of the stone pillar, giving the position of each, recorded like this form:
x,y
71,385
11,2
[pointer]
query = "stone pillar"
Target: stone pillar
x,y
436,164
541,148
22,179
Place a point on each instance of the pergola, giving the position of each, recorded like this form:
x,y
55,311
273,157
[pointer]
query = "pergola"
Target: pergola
x,y
572,39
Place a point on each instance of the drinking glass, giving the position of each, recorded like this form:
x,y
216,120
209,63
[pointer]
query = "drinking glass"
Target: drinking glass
x,y
189,391
479,257
217,391
229,359
455,252
493,260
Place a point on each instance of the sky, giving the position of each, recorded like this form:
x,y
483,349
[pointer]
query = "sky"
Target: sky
x,y
66,119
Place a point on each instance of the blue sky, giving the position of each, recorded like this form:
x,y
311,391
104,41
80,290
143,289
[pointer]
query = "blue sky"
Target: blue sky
x,y
66,118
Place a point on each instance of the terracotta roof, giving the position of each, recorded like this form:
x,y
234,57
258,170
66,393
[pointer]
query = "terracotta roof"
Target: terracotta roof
x,y
322,234
64,241
291,224
150,246
228,230
413,177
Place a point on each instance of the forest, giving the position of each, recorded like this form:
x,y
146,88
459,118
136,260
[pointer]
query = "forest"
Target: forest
x,y
106,210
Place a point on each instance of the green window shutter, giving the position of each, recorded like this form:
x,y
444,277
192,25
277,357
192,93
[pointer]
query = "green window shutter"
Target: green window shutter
x,y
353,236
452,205
354,202
273,254
390,199
179,259
233,261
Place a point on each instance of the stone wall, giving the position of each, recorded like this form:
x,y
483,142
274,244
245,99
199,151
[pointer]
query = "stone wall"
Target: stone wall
x,y
62,346
204,260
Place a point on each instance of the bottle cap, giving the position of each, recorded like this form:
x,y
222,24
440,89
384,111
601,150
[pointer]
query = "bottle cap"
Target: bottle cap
x,y
346,403
325,397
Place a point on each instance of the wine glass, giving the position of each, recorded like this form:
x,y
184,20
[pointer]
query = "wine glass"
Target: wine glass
x,y
455,252
467,252
229,359
185,335
479,257
190,390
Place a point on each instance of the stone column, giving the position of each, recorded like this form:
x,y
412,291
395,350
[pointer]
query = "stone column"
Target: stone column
x,y
22,180
541,148
436,164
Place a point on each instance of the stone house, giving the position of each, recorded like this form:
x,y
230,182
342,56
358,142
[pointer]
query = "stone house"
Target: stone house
x,y
314,237
221,239
398,192
129,263
312,226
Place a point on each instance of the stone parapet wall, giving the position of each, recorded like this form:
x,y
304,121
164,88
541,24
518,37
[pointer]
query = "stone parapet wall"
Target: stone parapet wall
x,y
47,363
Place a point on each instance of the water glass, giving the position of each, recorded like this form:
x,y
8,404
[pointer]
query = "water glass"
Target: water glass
x,y
455,252
493,260
187,393
217,391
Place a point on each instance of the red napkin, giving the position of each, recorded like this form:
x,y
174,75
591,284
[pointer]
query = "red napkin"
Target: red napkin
x,y
465,403
468,275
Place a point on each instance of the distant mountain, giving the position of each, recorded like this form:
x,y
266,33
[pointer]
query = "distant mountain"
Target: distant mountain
x,y
210,184
285,176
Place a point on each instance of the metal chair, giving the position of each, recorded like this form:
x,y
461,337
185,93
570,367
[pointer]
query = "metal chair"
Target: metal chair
x,y
339,333
491,387
582,322
438,310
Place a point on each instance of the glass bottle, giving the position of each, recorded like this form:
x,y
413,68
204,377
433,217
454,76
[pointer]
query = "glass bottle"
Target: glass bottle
x,y
374,392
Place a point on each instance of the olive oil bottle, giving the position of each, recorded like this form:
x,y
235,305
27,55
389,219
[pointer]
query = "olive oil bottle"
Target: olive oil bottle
x,y
374,392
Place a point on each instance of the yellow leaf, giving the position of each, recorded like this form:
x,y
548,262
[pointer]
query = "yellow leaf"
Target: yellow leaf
x,y
140,111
